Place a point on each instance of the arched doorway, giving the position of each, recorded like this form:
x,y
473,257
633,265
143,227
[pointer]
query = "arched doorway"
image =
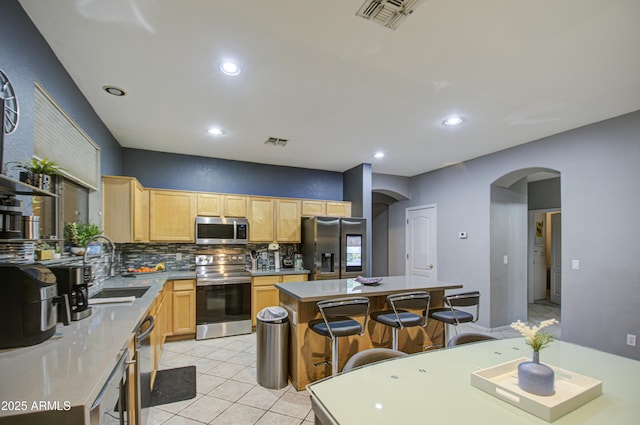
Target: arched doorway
x,y
381,198
514,239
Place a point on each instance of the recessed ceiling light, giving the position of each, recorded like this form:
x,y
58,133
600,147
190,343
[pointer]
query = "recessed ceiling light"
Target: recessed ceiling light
x,y
215,131
379,155
452,121
116,91
230,68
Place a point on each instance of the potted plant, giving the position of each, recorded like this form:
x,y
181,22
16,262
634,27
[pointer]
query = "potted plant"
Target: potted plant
x,y
38,172
43,251
78,235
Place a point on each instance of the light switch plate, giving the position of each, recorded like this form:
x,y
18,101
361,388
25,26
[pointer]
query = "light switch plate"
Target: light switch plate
x,y
575,264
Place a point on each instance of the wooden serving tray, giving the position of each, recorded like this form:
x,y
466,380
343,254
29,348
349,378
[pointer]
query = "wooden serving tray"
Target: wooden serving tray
x,y
572,390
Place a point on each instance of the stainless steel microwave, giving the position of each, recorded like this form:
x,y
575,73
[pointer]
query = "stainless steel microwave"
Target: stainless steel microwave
x,y
220,230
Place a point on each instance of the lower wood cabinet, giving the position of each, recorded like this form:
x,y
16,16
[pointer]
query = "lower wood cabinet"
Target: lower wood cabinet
x,y
264,292
184,306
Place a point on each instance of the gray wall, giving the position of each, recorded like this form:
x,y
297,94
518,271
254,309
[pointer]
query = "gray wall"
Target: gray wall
x,y
599,173
507,296
187,172
357,190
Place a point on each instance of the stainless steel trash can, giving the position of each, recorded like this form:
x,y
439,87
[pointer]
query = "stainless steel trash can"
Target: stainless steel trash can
x,y
272,328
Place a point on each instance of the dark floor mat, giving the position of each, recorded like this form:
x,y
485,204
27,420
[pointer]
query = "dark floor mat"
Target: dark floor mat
x,y
172,385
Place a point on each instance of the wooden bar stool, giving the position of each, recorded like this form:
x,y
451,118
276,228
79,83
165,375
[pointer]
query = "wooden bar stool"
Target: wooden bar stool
x,y
398,317
337,322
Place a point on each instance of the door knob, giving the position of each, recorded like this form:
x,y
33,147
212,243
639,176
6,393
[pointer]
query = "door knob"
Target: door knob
x,y
430,266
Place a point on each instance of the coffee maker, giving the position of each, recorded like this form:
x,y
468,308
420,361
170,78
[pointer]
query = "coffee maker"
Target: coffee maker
x,y
28,296
74,282
10,218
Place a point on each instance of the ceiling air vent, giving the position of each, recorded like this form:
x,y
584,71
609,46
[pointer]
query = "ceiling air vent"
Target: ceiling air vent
x,y
276,141
388,13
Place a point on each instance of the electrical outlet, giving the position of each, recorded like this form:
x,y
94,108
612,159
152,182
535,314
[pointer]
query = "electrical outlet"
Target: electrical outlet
x,y
631,340
178,256
505,259
575,264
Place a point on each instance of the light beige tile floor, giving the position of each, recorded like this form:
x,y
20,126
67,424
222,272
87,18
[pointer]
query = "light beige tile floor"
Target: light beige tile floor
x,y
227,388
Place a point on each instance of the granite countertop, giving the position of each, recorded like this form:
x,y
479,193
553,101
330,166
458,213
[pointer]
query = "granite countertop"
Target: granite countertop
x,y
72,366
322,289
274,272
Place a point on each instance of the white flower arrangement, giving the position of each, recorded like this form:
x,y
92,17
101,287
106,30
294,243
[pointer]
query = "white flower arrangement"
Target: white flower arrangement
x,y
536,339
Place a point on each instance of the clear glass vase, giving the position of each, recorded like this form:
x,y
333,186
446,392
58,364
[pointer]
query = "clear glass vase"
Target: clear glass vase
x,y
535,377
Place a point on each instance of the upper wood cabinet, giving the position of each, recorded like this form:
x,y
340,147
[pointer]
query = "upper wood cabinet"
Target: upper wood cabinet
x,y
260,215
209,204
125,209
274,220
288,224
338,209
172,215
312,208
234,205
218,204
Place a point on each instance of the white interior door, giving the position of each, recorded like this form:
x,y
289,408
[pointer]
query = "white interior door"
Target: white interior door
x,y
421,242
556,263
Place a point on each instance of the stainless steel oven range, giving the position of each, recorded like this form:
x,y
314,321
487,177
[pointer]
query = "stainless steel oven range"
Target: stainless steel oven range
x,y
223,294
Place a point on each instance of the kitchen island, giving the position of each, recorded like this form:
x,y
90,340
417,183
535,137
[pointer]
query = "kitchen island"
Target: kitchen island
x,y
306,348
56,381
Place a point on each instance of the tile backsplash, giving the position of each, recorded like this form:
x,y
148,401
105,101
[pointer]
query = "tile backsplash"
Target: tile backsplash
x,y
177,256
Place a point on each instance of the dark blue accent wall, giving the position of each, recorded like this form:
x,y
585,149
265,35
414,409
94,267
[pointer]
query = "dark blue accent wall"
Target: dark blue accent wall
x,y
197,173
26,57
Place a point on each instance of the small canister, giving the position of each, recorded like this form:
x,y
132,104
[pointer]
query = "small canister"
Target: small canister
x,y
31,227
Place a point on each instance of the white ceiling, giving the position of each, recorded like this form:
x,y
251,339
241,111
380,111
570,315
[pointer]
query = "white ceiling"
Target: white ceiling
x,y
342,88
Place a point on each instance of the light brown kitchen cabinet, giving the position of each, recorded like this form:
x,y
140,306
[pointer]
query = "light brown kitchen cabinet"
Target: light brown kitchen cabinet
x,y
184,306
288,224
274,219
171,215
125,209
234,206
338,209
209,204
264,292
312,208
260,215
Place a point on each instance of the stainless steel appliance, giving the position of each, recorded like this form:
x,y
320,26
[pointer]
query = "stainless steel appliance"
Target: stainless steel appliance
x,y
74,281
144,368
334,248
223,294
222,231
10,218
28,296
110,406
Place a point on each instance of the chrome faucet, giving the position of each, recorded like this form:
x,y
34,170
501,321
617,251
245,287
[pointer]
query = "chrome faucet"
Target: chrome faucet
x,y
112,258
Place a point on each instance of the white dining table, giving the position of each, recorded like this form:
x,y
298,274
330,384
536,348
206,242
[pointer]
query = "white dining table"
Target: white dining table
x,y
435,387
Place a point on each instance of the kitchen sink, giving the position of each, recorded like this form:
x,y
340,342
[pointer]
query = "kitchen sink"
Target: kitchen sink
x,y
122,292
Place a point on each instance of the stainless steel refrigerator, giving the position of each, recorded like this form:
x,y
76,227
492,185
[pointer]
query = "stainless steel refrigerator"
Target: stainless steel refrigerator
x,y
334,248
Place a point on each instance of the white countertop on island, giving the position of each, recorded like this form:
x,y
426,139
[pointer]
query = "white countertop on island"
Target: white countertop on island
x,y
322,289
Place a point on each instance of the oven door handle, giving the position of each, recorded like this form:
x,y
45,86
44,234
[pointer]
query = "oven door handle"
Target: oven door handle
x,y
228,281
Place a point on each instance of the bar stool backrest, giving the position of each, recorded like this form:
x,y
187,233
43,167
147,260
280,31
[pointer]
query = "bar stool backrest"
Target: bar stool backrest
x,y
410,301
464,299
344,307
